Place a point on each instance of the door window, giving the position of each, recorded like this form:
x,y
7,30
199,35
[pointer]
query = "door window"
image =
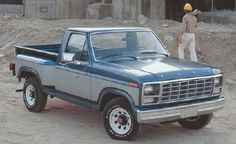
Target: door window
x,y
77,45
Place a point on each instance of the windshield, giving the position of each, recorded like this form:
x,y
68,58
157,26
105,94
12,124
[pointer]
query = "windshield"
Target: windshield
x,y
130,44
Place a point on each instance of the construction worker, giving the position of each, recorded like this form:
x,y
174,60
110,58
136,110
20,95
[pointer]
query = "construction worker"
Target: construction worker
x,y
187,36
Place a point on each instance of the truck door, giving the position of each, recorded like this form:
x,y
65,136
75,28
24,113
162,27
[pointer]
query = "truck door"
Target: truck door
x,y
74,76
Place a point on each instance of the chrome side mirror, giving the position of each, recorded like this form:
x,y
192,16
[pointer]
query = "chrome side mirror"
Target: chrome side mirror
x,y
76,62
67,57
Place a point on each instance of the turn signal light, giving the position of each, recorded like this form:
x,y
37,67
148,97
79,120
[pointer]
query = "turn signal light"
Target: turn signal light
x,y
133,84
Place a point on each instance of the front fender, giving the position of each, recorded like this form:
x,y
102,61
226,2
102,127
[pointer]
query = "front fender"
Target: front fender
x,y
119,93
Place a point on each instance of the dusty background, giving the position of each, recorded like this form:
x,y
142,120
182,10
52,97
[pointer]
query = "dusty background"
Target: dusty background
x,y
62,122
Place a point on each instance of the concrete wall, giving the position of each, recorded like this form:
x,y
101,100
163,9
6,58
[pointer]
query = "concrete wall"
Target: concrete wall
x,y
126,9
218,17
56,9
11,8
48,9
131,9
78,8
62,9
117,9
158,9
120,9
99,11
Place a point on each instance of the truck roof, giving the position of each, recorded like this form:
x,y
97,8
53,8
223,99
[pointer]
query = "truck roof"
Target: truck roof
x,y
101,29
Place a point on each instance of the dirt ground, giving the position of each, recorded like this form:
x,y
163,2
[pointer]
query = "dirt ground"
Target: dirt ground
x,y
62,122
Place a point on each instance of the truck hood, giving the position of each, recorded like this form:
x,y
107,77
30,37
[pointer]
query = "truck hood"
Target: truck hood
x,y
162,69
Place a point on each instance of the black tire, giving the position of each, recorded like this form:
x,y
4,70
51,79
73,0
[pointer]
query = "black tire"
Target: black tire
x,y
125,116
40,98
196,122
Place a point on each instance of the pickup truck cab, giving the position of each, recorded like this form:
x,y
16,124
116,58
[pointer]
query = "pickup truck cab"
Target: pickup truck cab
x,y
125,72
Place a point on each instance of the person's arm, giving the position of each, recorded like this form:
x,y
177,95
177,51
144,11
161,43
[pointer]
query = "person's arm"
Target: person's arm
x,y
183,29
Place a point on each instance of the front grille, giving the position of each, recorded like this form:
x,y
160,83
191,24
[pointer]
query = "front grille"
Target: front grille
x,y
183,90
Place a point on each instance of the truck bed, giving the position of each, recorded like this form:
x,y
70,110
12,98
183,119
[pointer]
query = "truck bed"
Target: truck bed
x,y
49,51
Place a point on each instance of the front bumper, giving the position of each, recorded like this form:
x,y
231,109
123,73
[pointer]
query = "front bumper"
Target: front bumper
x,y
179,112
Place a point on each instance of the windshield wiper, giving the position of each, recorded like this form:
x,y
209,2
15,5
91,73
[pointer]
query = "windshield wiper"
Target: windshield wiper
x,y
153,52
117,55
149,52
108,56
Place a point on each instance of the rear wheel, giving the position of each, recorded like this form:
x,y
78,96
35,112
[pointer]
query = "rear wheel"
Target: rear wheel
x,y
119,121
33,96
197,122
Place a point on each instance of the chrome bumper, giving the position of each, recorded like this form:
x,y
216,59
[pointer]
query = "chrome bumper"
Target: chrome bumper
x,y
179,112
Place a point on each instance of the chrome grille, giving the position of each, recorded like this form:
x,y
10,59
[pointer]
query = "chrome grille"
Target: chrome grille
x,y
181,90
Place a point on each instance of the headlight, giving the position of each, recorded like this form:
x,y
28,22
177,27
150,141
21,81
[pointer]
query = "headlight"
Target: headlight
x,y
148,89
151,93
152,89
218,81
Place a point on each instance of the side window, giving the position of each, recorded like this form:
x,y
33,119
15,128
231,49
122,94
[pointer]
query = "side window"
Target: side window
x,y
77,45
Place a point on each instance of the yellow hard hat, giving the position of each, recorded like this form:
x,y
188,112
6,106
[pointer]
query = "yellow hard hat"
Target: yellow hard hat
x,y
188,7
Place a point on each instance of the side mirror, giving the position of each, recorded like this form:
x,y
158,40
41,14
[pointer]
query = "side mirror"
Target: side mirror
x,y
76,62
67,57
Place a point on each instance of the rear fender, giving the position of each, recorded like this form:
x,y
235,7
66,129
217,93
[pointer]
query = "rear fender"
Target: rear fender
x,y
25,72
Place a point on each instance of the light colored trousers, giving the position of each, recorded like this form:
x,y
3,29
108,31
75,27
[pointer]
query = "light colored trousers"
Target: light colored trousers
x,y
188,41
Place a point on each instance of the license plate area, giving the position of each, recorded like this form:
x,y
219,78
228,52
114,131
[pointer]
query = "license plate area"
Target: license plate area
x,y
189,113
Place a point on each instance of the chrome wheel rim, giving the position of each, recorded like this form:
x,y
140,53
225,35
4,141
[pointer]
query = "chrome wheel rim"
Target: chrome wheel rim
x,y
30,95
120,120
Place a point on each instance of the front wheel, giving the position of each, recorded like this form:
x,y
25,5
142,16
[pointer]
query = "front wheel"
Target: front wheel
x,y
197,122
119,121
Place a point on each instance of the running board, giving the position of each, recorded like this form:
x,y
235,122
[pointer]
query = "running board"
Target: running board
x,y
73,99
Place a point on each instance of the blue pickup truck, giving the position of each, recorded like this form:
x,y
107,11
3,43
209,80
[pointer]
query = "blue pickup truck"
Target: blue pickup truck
x,y
124,72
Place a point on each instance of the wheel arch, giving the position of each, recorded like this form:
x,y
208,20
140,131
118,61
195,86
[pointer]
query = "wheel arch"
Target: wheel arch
x,y
25,72
108,94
